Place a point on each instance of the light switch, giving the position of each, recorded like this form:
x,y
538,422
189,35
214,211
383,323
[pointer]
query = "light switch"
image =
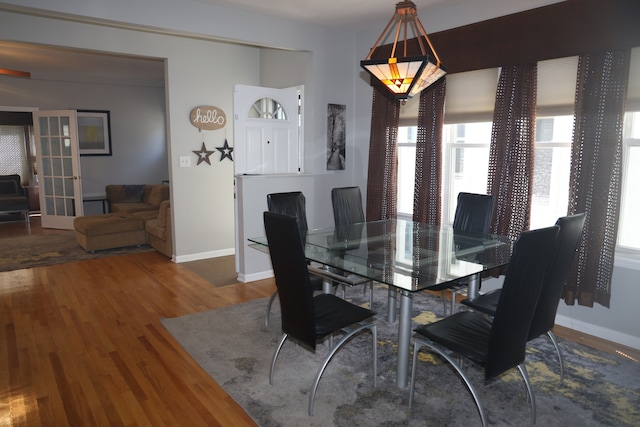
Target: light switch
x,y
185,161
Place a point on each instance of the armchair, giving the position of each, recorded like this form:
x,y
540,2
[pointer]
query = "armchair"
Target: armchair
x,y
13,196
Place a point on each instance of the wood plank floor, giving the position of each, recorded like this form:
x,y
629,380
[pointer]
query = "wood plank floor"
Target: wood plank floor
x,y
81,344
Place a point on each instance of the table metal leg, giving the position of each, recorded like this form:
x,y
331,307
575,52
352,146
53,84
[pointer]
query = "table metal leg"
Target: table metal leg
x,y
473,288
327,286
392,298
404,338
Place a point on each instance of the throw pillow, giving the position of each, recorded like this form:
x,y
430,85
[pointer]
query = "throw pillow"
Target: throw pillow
x,y
130,194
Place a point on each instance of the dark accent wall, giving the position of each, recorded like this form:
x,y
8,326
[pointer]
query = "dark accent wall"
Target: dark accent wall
x,y
559,30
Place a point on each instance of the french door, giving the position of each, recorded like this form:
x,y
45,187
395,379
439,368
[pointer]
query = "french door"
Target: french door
x,y
58,160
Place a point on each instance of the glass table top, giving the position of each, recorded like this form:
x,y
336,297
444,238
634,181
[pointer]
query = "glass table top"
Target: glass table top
x,y
404,254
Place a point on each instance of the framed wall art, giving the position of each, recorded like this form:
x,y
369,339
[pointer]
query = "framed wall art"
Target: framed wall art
x,y
336,136
94,133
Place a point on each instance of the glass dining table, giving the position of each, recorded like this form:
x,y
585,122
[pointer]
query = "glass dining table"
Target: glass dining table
x,y
406,256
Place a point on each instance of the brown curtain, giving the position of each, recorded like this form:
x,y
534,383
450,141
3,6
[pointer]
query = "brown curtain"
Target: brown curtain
x,y
511,156
596,161
383,163
428,181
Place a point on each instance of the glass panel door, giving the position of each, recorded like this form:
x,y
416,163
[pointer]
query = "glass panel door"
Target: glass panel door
x,y
59,168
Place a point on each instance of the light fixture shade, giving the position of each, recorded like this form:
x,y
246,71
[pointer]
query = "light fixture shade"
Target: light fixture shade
x,y
407,75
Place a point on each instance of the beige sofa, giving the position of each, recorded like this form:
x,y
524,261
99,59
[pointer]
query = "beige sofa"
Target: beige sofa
x,y
139,214
129,199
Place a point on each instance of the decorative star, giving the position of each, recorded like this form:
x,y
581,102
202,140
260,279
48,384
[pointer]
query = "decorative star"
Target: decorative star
x,y
225,151
203,155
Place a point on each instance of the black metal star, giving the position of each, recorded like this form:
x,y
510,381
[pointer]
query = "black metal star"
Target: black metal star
x,y
225,151
203,155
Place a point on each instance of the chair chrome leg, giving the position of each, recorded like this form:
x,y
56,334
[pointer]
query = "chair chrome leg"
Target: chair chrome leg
x,y
560,360
443,295
269,304
329,356
275,356
532,398
414,365
417,344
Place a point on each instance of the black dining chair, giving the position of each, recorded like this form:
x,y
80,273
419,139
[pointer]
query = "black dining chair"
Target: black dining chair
x,y
545,315
306,318
497,344
294,204
473,215
347,211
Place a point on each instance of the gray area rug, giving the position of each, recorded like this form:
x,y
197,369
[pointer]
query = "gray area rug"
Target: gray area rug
x,y
48,249
235,348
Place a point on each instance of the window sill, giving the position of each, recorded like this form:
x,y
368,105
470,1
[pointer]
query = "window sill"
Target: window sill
x,y
627,260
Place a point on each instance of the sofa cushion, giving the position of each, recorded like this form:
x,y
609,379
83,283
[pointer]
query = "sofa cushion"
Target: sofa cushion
x,y
157,194
8,187
107,224
13,202
146,215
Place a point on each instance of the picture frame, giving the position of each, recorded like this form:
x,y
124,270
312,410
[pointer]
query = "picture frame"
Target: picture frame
x,y
336,136
94,132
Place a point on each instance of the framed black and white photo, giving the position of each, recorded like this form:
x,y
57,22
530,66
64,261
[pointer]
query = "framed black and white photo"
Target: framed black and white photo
x,y
336,136
94,133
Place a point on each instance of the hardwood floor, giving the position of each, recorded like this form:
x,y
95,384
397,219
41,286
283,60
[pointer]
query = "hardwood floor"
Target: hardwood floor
x,y
82,344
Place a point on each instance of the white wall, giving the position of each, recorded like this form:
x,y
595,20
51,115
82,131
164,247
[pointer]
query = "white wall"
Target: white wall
x,y
137,116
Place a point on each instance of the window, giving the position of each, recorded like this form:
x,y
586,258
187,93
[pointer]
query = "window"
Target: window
x,y
465,164
467,136
17,152
406,169
628,225
552,167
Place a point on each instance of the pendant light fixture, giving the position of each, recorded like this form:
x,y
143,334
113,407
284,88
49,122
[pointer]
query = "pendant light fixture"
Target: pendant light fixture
x,y
15,73
408,73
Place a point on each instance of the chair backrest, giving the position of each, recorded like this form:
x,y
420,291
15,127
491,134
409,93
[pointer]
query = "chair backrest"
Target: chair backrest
x,y
292,277
15,188
566,246
473,213
531,256
292,204
347,205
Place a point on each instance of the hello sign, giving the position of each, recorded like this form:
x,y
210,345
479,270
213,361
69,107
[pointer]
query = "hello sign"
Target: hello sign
x,y
208,117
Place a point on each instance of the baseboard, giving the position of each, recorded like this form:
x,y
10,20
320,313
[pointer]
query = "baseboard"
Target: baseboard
x,y
598,331
244,278
204,255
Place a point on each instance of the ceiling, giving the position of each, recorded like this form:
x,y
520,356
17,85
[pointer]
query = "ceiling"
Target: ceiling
x,y
62,64
331,13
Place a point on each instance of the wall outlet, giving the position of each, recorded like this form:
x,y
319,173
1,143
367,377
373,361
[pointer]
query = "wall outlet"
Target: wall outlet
x,y
185,161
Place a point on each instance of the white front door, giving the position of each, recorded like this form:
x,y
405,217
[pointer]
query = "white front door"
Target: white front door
x,y
58,159
267,128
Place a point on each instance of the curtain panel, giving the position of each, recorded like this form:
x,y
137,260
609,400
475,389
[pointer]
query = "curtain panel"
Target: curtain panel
x,y
383,163
427,205
596,164
511,155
